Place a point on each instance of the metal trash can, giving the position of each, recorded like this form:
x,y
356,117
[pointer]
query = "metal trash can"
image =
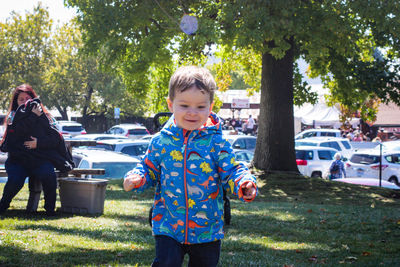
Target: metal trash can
x,y
82,196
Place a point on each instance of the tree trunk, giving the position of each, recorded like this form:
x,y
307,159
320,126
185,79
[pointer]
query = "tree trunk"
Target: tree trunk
x,y
275,141
88,98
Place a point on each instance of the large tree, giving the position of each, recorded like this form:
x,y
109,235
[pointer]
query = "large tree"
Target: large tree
x,y
334,37
24,51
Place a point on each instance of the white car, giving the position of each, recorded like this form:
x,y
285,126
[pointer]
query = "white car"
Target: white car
x,y
340,144
70,128
390,145
314,161
365,164
97,137
130,130
133,148
115,164
318,133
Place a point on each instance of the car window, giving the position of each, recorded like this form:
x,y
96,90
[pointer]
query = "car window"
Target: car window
x,y
72,128
240,143
135,150
105,146
304,154
364,159
331,144
114,169
346,144
328,134
251,143
393,158
310,134
325,155
241,156
84,164
137,131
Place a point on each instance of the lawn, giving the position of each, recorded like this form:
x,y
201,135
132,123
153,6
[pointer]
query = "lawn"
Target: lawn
x,y
295,221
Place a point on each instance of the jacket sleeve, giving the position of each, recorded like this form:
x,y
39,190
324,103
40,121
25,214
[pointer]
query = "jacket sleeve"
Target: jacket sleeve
x,y
50,137
148,168
232,173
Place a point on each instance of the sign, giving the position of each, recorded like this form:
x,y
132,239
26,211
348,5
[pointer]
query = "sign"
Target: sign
x,y
240,103
116,113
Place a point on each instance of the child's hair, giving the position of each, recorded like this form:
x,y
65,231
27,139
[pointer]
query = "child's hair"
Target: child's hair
x,y
188,76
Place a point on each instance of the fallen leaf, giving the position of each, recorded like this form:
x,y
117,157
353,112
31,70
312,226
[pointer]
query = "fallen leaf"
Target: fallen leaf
x,y
350,258
298,251
366,253
309,211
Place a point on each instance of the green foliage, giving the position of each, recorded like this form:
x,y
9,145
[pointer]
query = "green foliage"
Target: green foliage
x,y
24,51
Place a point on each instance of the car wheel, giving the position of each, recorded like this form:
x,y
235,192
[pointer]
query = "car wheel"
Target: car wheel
x,y
394,180
316,174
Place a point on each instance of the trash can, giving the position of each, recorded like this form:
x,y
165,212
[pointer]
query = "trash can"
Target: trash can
x,y
82,196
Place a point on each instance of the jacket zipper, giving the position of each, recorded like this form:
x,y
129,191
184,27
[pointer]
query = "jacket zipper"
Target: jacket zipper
x,y
187,133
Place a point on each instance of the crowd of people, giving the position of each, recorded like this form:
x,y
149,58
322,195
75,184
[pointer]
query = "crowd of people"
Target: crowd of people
x,y
246,126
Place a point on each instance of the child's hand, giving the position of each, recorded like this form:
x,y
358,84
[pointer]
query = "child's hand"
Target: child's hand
x,y
249,191
132,181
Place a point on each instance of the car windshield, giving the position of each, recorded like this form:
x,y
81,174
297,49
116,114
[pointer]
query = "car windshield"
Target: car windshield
x,y
104,146
114,169
137,131
364,159
72,128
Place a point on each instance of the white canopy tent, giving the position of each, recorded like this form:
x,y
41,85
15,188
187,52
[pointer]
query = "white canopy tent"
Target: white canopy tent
x,y
320,115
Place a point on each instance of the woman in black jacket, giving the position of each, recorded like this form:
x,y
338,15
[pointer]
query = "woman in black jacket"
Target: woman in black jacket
x,y
28,135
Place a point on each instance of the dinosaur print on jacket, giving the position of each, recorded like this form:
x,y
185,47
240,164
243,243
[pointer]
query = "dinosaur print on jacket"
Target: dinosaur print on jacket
x,y
189,170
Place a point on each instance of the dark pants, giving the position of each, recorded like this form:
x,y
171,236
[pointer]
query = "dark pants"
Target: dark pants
x,y
17,174
170,252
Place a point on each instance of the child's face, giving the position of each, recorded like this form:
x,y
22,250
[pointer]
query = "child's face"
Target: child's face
x,y
191,108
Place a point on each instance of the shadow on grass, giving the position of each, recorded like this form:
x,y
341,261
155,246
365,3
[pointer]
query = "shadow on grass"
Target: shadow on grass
x,y
72,256
284,187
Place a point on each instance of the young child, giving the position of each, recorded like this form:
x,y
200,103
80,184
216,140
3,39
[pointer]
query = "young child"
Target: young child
x,y
190,163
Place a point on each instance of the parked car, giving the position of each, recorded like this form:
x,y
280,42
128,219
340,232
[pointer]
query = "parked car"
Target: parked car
x,y
115,164
98,137
317,133
70,128
366,164
390,145
368,182
132,131
246,142
340,144
314,161
134,148
244,156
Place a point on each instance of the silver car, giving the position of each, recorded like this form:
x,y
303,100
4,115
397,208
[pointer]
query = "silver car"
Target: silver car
x,y
115,164
365,164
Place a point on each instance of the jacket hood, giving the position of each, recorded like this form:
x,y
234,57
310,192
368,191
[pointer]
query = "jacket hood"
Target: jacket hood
x,y
212,126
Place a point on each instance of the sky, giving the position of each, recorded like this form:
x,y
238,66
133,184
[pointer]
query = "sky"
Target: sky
x,y
56,8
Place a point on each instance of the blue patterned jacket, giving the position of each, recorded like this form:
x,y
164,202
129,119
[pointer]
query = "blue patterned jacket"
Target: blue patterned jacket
x,y
189,170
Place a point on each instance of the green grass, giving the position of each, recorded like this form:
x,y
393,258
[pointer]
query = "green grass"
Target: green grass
x,y
295,221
